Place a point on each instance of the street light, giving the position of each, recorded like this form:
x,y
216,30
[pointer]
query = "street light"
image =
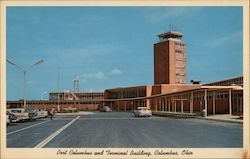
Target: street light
x,y
24,75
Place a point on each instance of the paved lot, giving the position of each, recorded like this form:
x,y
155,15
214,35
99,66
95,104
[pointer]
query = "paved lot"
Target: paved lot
x,y
123,130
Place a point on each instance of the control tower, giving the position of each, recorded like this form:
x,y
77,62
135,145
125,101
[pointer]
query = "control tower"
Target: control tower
x,y
76,86
170,59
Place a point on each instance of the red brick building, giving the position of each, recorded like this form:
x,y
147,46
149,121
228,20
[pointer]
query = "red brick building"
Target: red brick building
x,y
123,98
85,105
168,94
64,100
69,95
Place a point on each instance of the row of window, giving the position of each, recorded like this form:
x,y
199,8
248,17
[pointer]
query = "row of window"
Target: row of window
x,y
178,51
69,97
180,73
129,94
179,44
181,59
199,97
217,95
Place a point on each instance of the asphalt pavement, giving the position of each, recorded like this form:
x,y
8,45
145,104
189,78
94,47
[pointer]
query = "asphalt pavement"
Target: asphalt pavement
x,y
123,130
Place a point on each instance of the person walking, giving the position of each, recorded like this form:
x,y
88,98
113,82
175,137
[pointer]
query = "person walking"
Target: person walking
x,y
52,112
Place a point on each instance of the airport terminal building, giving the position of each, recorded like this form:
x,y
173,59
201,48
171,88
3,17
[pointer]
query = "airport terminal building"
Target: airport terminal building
x,y
170,93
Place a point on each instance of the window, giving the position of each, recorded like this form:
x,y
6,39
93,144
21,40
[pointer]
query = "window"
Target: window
x,y
179,44
178,51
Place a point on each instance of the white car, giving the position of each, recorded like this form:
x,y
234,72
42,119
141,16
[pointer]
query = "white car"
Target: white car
x,y
21,113
12,118
105,109
142,111
42,113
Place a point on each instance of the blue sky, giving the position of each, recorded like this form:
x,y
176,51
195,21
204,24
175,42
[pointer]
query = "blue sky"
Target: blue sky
x,y
108,47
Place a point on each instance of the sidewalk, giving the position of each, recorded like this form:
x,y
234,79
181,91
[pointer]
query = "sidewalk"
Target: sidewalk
x,y
223,117
220,117
175,114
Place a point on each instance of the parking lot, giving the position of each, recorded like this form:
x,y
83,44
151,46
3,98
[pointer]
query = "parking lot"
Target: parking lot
x,y
123,130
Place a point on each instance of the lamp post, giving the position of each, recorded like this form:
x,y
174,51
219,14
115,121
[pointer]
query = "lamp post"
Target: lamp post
x,y
24,75
58,94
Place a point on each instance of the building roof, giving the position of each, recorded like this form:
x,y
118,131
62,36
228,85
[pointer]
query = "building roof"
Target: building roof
x,y
225,80
125,88
210,88
170,34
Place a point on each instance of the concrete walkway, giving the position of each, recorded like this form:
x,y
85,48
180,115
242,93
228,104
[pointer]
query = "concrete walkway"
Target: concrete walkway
x,y
220,117
224,117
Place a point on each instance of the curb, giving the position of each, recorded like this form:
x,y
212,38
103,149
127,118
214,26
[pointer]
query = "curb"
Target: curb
x,y
221,120
178,115
194,116
59,114
76,113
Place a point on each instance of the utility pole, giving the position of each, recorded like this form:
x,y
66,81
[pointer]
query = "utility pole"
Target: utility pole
x,y
58,85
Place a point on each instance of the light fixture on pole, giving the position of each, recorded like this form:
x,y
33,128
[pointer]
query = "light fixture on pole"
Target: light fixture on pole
x,y
24,75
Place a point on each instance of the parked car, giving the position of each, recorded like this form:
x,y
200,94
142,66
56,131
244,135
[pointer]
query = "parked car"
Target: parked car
x,y
105,109
12,117
142,111
42,113
33,113
45,113
20,113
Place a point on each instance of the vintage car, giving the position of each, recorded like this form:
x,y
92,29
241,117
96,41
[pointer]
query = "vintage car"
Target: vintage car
x,y
21,113
42,113
142,111
33,113
11,117
105,109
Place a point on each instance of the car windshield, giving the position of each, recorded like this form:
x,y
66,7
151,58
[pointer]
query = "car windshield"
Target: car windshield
x,y
16,111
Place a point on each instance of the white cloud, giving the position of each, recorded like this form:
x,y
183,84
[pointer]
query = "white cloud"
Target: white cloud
x,y
220,41
84,78
98,75
116,72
